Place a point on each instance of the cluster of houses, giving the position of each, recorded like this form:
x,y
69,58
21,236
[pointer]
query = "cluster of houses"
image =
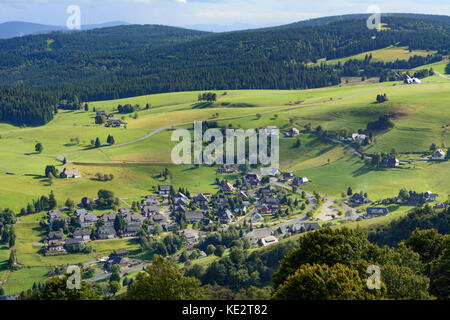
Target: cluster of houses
x,y
87,221
55,241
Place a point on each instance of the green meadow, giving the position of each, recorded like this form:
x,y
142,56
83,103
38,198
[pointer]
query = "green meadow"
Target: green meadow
x,y
421,114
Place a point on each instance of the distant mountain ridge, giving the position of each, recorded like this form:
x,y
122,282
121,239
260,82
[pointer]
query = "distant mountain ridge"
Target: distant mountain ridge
x,y
14,29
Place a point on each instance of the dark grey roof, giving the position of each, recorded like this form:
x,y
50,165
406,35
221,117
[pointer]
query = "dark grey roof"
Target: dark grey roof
x,y
193,215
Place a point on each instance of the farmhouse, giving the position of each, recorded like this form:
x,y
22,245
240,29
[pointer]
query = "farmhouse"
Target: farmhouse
x,y
54,215
180,201
227,188
55,246
226,216
299,181
256,218
134,219
70,174
72,244
86,218
159,219
150,200
164,190
257,234
228,168
430,197
377,212
272,172
357,138
131,230
108,219
358,199
201,199
81,233
303,227
193,216
148,211
413,80
390,162
293,132
288,176
242,195
115,123
105,232
264,242
191,236
55,235
438,155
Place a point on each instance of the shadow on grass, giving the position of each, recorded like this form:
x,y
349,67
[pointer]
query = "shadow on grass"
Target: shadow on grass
x,y
202,105
366,169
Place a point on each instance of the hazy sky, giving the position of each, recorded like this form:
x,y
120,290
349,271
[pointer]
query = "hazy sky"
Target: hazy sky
x,y
190,12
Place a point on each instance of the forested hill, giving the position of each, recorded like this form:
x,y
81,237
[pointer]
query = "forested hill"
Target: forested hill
x,y
134,60
327,20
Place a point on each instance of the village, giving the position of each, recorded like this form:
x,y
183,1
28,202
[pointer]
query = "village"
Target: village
x,y
265,209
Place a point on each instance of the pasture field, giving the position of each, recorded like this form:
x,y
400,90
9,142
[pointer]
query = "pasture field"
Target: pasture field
x,y
388,54
421,115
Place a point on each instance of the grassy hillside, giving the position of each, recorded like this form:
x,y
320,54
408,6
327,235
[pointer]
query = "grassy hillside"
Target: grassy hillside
x,y
390,53
420,114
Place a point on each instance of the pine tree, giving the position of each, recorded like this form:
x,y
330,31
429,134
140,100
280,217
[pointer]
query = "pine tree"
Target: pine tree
x,y
97,143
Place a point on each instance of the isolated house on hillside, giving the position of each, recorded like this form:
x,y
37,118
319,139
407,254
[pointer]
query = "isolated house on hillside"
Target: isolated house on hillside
x,y
70,174
293,132
390,162
438,155
357,138
430,197
299,181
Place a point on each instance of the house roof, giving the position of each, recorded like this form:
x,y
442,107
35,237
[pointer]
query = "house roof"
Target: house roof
x,y
201,197
106,230
193,215
81,232
373,210
259,233
73,241
132,228
54,243
159,218
87,217
108,216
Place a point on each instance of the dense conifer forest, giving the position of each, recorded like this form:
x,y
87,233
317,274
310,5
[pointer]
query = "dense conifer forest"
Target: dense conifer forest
x,y
134,60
